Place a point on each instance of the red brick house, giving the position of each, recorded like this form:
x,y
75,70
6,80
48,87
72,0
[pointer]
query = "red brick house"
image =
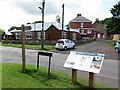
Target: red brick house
x,y
83,26
52,31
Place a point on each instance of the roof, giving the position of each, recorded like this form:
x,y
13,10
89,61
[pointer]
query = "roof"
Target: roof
x,y
15,31
99,27
38,26
8,33
80,19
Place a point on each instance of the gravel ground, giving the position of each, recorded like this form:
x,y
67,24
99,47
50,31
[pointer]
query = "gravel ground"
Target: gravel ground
x,y
99,46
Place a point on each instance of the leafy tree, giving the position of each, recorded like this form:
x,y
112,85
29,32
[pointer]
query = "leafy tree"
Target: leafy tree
x,y
113,23
116,17
1,31
58,18
12,28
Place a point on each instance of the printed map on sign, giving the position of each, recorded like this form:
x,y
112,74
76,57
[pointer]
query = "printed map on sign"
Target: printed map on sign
x,y
90,62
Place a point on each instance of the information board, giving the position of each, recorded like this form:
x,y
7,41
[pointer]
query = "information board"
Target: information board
x,y
91,62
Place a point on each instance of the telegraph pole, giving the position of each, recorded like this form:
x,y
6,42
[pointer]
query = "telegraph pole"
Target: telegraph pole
x,y
42,10
62,20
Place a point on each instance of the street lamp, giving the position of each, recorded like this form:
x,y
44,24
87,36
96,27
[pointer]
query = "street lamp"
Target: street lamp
x,y
42,10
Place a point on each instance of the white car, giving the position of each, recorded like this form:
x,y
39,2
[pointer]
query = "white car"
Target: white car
x,y
64,44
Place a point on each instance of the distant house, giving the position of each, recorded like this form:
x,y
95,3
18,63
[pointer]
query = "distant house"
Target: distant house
x,y
52,31
7,35
83,26
100,29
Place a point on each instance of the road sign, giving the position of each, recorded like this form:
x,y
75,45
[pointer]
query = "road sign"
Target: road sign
x,y
26,28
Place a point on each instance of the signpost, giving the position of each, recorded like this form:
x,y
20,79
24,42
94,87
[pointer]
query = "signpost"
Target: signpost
x,y
91,62
44,54
23,28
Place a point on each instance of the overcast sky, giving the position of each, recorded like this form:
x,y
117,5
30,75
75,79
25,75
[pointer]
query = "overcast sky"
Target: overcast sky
x,y
17,12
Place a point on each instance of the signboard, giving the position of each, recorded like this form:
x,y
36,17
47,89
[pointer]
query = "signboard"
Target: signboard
x,y
84,61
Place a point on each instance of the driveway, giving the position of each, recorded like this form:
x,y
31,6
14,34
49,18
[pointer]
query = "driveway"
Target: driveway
x,y
96,47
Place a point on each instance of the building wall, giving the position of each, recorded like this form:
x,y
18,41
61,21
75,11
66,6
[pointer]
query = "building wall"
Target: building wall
x,y
53,33
74,25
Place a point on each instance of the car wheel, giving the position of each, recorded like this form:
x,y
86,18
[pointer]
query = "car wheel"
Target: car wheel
x,y
73,46
116,50
65,48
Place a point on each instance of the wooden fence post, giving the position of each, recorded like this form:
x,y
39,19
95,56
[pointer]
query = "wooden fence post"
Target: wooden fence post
x,y
91,80
74,76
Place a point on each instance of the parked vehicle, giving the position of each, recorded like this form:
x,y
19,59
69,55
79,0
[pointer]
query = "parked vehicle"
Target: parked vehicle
x,y
64,44
117,46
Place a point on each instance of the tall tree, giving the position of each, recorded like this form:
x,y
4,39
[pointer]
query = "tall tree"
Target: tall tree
x,y
113,23
116,17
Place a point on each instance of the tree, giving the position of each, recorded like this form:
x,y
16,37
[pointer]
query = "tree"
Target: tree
x,y
12,28
116,17
113,23
58,19
1,31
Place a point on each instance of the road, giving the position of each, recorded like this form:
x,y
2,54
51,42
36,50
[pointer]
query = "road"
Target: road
x,y
107,76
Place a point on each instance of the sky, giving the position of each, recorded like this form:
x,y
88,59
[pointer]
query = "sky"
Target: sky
x,y
18,12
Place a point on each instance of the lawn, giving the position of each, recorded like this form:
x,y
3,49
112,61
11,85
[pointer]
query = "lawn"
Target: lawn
x,y
13,78
37,47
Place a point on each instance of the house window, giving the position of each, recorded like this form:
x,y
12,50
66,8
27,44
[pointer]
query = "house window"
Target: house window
x,y
74,36
64,34
82,31
40,35
28,35
81,24
17,35
89,31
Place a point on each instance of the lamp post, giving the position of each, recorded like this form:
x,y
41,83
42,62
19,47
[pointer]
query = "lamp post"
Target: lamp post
x,y
42,10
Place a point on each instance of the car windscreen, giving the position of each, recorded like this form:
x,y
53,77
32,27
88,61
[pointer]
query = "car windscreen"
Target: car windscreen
x,y
60,42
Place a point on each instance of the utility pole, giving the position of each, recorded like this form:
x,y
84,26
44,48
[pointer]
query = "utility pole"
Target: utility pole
x,y
62,20
42,10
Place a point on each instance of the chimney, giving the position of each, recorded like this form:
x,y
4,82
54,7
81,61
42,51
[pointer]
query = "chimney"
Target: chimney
x,y
78,15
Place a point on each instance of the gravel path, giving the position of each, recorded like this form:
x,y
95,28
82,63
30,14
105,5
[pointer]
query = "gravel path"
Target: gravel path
x,y
96,47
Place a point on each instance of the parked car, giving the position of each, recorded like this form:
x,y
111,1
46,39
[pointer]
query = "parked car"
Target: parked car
x,y
117,46
64,44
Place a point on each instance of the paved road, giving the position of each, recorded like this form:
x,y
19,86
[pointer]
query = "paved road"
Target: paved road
x,y
108,74
96,47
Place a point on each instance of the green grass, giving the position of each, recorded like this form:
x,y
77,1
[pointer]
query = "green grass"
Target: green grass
x,y
0,75
110,42
13,78
37,47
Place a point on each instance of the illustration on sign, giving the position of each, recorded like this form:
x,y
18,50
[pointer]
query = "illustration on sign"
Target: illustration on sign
x,y
90,62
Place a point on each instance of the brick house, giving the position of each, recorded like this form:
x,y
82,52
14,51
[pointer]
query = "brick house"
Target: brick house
x,y
52,31
83,26
100,29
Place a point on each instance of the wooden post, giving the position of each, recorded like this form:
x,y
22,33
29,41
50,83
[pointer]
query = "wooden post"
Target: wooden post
x,y
74,76
91,80
49,66
38,62
23,48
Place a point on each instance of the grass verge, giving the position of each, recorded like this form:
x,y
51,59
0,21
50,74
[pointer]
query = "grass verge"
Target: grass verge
x,y
110,42
37,47
13,78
